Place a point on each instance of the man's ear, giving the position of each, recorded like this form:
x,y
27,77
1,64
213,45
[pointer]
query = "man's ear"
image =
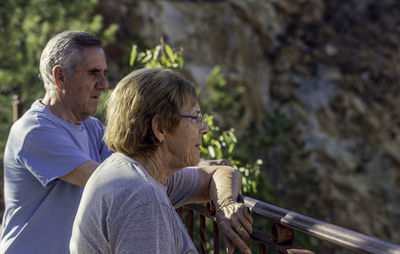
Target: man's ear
x,y
157,128
59,76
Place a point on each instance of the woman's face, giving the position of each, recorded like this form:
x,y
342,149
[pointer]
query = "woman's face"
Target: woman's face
x,y
184,144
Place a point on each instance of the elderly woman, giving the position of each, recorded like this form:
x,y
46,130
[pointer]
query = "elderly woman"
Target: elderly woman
x,y
155,126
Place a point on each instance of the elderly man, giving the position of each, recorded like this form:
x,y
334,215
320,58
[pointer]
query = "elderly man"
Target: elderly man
x,y
55,147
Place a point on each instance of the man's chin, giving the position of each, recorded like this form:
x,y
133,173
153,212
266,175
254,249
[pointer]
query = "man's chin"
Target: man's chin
x,y
93,110
88,114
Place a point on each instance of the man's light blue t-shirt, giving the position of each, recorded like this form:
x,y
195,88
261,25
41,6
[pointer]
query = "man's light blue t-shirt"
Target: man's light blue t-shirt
x,y
39,207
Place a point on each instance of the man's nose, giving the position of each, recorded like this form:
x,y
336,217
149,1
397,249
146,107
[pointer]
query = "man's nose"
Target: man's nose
x,y
102,84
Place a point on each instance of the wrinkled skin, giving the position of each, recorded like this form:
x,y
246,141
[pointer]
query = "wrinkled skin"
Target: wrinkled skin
x,y
221,162
233,219
235,222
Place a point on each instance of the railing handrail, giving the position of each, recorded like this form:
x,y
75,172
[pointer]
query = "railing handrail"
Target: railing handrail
x,y
328,232
337,235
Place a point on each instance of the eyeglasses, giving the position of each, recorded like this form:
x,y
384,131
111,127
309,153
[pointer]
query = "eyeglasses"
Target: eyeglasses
x,y
200,119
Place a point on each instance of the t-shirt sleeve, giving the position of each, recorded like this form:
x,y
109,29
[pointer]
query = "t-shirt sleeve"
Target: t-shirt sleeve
x,y
49,154
98,129
182,185
104,151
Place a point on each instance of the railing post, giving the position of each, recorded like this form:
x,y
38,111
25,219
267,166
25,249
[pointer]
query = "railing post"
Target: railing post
x,y
216,237
263,248
18,107
179,211
203,240
212,210
282,235
190,222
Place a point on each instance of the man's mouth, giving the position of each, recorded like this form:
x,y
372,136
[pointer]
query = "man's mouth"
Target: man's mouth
x,y
94,97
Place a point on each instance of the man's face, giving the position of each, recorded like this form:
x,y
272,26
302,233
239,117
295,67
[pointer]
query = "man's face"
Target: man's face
x,y
84,86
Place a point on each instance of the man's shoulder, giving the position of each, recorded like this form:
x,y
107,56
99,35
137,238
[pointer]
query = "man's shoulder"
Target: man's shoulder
x,y
31,120
92,119
93,124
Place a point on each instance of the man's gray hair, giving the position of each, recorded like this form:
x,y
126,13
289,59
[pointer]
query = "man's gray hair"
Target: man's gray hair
x,y
64,49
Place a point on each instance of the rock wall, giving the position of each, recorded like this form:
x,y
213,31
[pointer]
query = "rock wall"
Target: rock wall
x,y
333,66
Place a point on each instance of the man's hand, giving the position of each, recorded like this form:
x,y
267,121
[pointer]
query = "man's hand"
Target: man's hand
x,y
235,222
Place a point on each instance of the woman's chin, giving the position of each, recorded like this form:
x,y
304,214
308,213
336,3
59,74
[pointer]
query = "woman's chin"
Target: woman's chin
x,y
194,162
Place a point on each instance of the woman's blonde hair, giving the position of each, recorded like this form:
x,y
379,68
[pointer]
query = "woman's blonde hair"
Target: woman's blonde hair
x,y
136,100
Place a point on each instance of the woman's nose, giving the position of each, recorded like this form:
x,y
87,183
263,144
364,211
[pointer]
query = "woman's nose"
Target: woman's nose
x,y
204,129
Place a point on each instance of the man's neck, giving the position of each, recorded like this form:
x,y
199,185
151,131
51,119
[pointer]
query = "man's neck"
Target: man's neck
x,y
54,103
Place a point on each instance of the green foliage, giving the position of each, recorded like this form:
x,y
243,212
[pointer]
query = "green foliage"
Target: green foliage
x,y
5,120
278,126
162,56
29,24
227,109
215,99
218,144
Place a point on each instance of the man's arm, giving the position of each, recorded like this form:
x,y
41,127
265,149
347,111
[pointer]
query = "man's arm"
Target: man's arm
x,y
80,174
222,185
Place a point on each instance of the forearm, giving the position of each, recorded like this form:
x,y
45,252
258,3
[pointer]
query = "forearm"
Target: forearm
x,y
225,186
221,184
81,174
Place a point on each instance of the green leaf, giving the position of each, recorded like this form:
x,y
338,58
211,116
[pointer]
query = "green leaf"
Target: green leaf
x,y
211,152
231,147
169,52
165,61
180,61
203,150
133,55
146,59
233,137
156,53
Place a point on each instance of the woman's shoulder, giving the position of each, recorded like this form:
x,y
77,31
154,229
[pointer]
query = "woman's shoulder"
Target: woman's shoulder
x,y
120,177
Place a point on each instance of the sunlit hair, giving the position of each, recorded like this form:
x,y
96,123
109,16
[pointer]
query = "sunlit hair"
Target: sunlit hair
x,y
136,100
64,49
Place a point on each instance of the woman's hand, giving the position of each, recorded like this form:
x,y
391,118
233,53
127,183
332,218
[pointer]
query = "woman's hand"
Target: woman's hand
x,y
235,222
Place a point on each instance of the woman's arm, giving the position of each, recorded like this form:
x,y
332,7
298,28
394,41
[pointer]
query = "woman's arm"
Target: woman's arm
x,y
222,185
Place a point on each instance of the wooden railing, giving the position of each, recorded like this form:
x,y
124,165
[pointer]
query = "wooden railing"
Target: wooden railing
x,y
284,223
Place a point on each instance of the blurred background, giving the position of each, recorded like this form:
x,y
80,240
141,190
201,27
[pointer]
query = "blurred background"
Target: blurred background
x,y
310,87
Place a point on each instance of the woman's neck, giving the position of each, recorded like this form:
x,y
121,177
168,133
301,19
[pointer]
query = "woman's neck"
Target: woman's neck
x,y
157,166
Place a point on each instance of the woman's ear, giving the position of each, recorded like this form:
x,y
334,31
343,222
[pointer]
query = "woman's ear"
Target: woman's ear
x,y
59,77
157,128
